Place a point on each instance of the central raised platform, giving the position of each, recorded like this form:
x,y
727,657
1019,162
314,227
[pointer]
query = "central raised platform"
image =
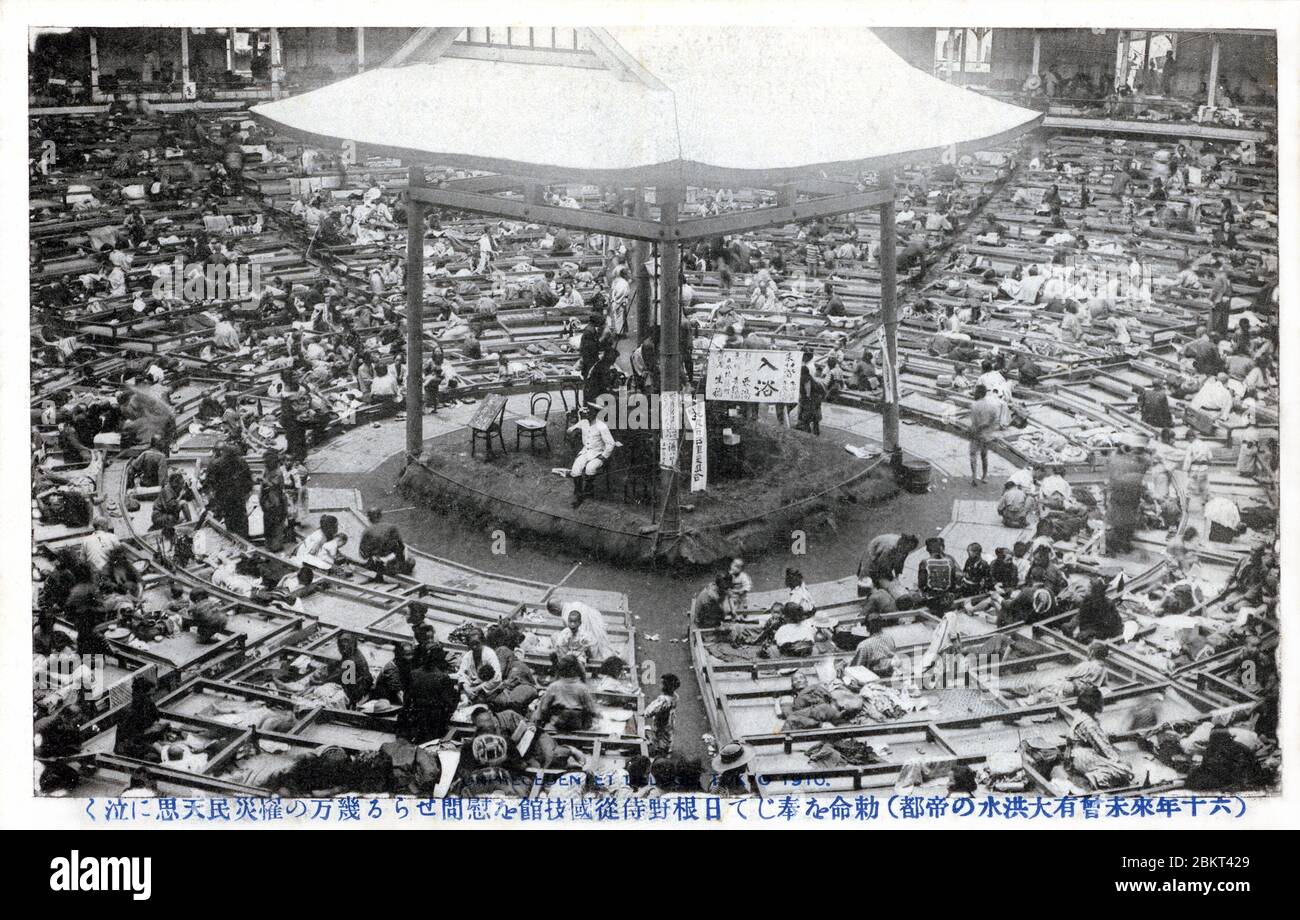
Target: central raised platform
x,y
780,480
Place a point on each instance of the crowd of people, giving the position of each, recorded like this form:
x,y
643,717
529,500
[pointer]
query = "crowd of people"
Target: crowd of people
x,y
334,346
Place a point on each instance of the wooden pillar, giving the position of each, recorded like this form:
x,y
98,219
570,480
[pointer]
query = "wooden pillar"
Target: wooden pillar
x,y
670,357
1121,60
414,318
277,63
1038,51
641,274
889,313
1213,83
361,49
94,68
185,56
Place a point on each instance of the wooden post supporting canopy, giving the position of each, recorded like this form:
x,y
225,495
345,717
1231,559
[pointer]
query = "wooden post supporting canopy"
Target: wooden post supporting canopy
x,y
414,318
640,274
668,234
277,63
94,68
1212,84
889,315
669,199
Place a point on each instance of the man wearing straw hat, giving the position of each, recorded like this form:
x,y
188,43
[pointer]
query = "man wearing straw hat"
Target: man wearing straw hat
x,y
729,774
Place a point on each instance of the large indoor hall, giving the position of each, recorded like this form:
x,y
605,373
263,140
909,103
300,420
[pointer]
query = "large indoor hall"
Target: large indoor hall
x,y
461,413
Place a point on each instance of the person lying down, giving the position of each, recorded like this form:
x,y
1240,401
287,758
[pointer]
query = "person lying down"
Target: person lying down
x,y
1090,672
841,701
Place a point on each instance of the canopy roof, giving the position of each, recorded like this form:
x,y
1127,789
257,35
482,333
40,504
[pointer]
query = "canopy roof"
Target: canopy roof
x,y
699,106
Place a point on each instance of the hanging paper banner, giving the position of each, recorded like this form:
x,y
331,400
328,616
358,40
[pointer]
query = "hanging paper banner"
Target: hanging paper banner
x,y
696,418
888,372
743,375
670,425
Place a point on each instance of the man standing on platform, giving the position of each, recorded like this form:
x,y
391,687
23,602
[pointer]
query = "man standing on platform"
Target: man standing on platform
x,y
1124,472
589,343
1220,299
620,296
230,482
985,417
487,250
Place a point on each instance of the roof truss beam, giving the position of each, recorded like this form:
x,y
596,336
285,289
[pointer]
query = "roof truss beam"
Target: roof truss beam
x,y
487,185
519,209
473,195
437,41
616,58
740,221
503,54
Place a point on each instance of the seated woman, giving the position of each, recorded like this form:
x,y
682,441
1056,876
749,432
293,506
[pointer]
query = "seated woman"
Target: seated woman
x,y
490,764
321,547
567,703
1097,617
876,652
479,669
1182,551
169,507
59,752
1227,765
120,582
60,676
390,685
797,636
615,676
1089,749
514,690
543,751
140,726
351,671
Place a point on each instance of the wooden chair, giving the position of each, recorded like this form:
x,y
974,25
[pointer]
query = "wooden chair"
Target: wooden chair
x,y
486,424
607,468
534,425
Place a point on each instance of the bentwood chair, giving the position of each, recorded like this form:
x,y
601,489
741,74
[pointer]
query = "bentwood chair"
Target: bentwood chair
x,y
533,425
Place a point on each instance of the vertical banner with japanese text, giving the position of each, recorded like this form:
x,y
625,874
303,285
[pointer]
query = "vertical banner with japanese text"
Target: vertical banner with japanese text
x,y
670,424
697,419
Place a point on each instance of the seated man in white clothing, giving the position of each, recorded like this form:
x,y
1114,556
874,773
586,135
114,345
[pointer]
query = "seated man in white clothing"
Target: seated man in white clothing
x,y
597,448
1214,398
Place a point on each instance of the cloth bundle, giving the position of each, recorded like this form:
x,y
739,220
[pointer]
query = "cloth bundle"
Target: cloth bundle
x,y
841,752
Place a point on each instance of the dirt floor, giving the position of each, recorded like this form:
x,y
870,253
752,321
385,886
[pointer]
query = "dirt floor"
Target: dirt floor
x,y
746,506
659,598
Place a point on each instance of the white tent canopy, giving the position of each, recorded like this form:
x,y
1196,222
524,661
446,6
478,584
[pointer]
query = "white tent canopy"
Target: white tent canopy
x,y
724,106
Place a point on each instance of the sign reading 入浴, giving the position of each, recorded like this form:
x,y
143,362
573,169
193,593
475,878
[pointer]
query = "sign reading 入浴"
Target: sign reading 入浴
x,y
740,375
